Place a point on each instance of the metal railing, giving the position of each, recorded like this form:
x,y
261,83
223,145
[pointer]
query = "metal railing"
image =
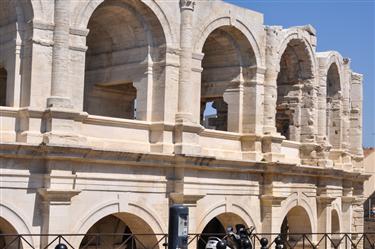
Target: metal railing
x,y
196,241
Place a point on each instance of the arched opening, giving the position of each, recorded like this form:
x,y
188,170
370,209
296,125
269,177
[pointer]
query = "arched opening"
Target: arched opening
x,y
217,226
121,230
296,223
294,87
8,31
126,46
335,228
335,222
3,86
333,106
228,63
8,236
15,52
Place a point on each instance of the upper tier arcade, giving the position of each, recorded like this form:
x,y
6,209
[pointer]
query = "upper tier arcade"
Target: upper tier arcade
x,y
200,78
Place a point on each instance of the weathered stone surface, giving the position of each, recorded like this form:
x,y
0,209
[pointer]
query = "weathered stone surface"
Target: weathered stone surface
x,y
105,117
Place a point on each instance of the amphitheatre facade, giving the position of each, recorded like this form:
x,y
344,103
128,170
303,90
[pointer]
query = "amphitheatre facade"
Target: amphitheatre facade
x,y
112,110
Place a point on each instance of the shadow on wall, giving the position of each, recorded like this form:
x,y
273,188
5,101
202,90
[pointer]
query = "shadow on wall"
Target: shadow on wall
x,y
3,86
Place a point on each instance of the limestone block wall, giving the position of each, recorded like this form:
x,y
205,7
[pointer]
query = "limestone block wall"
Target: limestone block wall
x,y
103,114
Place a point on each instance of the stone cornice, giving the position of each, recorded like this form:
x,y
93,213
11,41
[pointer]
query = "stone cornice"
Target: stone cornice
x,y
325,199
58,195
273,200
80,154
185,199
348,199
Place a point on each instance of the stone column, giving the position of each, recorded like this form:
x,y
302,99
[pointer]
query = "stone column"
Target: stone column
x,y
185,112
60,57
322,103
271,142
270,81
187,117
356,115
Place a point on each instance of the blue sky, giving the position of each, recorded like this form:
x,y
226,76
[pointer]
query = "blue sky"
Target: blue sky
x,y
345,26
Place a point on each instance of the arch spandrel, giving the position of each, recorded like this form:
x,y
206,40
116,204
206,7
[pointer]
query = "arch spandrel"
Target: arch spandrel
x,y
83,11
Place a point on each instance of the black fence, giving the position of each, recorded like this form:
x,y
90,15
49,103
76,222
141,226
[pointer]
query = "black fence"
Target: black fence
x,y
196,241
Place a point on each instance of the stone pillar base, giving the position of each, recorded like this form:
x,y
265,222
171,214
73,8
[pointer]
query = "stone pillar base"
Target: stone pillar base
x,y
308,153
271,148
59,102
60,127
30,126
251,147
161,138
186,136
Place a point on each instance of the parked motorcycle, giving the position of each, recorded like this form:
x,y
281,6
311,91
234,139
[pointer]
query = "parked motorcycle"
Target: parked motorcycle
x,y
239,239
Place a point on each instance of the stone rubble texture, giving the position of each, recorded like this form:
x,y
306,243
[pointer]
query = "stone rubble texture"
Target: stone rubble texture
x,y
103,104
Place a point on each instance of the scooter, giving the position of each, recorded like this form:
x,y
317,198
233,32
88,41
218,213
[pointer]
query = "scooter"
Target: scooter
x,y
232,240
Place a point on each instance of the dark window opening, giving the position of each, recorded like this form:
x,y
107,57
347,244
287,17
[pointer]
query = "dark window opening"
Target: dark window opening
x,y
3,86
214,114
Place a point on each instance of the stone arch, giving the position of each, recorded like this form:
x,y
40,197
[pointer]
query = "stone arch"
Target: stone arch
x,y
233,210
329,58
217,22
302,201
295,223
84,10
303,37
123,63
332,82
123,211
334,106
296,86
217,218
228,63
10,216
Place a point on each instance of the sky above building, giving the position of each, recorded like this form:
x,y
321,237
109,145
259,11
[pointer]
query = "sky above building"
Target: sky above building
x,y
342,25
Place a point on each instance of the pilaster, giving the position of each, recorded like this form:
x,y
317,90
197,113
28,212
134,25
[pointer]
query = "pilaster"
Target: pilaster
x,y
324,205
